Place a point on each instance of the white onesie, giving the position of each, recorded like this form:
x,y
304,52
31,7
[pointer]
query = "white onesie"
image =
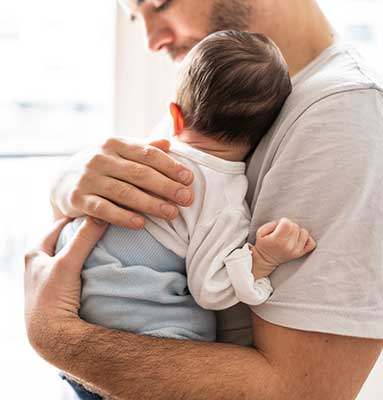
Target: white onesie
x,y
212,233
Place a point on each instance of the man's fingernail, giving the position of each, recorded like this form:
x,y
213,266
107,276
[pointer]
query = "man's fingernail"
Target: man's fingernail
x,y
99,221
185,176
138,222
168,210
183,196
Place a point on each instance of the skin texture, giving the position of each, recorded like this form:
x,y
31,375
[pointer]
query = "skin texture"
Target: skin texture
x,y
284,363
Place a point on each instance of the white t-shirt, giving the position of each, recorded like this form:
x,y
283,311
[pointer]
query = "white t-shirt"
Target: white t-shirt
x,y
321,165
211,234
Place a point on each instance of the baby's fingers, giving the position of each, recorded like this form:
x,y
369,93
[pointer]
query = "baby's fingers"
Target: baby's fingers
x,y
286,230
310,245
266,229
302,239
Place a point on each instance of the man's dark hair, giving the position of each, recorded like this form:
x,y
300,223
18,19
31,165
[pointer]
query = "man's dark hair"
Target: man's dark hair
x,y
232,86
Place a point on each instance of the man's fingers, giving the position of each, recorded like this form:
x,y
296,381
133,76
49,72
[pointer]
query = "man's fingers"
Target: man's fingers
x,y
120,174
162,144
107,211
130,196
82,243
266,229
48,243
155,158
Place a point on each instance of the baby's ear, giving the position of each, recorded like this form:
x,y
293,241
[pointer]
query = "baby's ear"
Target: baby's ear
x,y
178,118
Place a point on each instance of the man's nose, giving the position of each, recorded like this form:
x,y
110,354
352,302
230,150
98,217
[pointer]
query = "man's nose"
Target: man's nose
x,y
159,35
160,39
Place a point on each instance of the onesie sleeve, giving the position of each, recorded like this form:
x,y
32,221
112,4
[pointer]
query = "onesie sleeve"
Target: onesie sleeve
x,y
219,264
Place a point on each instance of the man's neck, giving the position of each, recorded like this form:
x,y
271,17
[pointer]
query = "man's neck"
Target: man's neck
x,y
298,27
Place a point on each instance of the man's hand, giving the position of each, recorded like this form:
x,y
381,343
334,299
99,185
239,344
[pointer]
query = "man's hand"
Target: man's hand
x,y
52,282
278,243
120,178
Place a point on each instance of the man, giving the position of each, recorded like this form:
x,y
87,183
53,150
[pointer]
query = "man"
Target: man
x,y
320,334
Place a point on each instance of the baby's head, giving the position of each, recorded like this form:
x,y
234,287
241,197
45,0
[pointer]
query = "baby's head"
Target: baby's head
x,y
230,89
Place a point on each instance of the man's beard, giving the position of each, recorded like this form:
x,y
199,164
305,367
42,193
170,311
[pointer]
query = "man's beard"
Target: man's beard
x,y
230,15
225,15
176,51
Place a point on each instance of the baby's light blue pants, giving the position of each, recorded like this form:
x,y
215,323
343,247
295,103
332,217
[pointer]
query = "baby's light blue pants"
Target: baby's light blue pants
x,y
132,282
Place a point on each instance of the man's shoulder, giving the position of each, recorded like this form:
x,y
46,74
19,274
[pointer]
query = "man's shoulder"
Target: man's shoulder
x,y
337,103
341,77
341,69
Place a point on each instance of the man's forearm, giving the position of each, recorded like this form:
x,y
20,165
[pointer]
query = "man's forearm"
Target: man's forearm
x,y
123,365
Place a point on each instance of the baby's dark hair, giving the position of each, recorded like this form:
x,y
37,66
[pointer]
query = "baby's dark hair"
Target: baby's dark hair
x,y
232,86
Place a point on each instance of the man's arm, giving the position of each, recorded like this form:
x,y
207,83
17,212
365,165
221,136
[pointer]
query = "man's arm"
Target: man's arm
x,y
285,364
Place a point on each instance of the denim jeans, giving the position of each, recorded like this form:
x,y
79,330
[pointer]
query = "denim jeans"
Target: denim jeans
x,y
80,390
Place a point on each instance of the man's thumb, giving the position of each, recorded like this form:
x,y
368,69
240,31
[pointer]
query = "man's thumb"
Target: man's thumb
x,y
84,240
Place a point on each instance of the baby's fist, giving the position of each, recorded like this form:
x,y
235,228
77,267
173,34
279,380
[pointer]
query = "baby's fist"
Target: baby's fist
x,y
283,241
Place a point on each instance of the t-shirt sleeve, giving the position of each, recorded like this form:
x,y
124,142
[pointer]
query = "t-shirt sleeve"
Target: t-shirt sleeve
x,y
327,177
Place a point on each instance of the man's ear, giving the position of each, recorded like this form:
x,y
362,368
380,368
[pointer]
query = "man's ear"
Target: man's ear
x,y
178,119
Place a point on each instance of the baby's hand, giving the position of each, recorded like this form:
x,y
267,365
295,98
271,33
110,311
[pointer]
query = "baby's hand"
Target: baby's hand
x,y
278,243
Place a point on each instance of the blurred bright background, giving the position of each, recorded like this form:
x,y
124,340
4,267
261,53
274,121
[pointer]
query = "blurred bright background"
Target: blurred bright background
x,y
72,73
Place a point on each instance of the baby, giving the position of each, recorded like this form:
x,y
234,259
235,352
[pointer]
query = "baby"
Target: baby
x,y
166,279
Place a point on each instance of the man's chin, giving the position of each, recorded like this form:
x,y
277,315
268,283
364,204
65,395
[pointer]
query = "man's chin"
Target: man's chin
x,y
177,55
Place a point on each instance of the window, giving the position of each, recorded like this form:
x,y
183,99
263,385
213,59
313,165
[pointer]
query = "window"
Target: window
x,y
56,75
359,22
57,96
